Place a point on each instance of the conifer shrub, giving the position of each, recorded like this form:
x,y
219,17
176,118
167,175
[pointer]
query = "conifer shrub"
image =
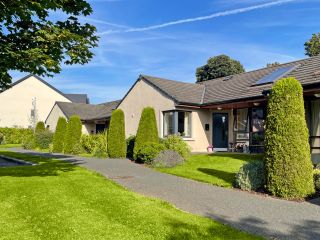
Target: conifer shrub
x,y
58,137
130,146
116,135
40,127
287,151
73,135
147,130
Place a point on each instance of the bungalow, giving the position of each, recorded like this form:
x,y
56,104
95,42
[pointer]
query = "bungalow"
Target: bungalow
x,y
95,118
227,113
29,100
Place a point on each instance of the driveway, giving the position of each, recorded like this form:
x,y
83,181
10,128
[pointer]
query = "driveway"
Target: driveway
x,y
265,216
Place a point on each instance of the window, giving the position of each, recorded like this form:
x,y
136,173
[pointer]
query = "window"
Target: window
x,y
177,122
241,120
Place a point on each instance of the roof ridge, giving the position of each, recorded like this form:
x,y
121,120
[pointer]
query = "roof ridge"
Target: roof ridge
x,y
165,79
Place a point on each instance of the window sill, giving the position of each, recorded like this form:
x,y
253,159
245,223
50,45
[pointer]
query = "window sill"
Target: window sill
x,y
188,139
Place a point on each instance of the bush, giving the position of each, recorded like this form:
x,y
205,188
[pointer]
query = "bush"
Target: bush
x,y
316,177
176,144
287,150
116,136
39,127
148,152
130,146
251,176
73,135
29,142
167,159
43,139
100,149
147,130
1,138
58,138
15,135
88,142
317,166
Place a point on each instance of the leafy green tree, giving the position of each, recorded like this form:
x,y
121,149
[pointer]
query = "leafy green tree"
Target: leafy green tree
x,y
58,137
287,151
312,47
147,130
40,127
219,66
72,135
117,147
31,41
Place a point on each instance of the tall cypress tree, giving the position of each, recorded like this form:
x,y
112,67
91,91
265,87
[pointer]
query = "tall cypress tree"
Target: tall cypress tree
x,y
73,134
117,147
287,150
58,137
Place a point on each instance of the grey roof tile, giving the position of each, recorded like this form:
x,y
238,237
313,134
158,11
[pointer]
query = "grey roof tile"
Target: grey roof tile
x,y
77,98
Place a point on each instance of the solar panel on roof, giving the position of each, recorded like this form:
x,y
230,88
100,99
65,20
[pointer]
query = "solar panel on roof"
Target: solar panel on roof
x,y
275,75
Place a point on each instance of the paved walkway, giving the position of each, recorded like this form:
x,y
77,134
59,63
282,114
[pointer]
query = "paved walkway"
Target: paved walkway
x,y
260,215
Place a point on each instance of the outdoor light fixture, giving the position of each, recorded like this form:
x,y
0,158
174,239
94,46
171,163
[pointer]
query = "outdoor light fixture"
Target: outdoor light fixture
x,y
219,108
317,95
256,104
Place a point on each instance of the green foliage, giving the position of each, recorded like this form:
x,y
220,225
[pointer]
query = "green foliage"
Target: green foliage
x,y
175,143
73,135
39,127
251,176
100,149
312,47
15,135
287,150
43,139
116,135
167,159
148,152
130,146
1,138
58,138
147,130
316,177
32,42
88,142
218,66
29,142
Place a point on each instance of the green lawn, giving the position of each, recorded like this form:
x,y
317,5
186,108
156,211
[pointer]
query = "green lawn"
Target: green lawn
x,y
57,200
218,168
10,145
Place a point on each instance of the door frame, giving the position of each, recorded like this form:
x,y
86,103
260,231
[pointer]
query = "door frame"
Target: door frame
x,y
220,149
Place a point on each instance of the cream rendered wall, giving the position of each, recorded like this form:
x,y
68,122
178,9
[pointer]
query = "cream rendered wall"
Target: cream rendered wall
x,y
143,95
53,117
16,102
88,128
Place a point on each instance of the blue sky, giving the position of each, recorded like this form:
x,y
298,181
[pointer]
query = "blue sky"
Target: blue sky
x,y
136,39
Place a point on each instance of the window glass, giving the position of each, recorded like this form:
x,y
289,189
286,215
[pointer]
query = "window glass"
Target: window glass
x,y
257,120
241,120
177,122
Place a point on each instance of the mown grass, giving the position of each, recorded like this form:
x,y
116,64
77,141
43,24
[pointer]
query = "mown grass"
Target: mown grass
x,y
59,200
9,145
217,168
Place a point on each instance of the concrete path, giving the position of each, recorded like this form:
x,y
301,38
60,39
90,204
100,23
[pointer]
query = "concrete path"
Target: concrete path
x,y
265,216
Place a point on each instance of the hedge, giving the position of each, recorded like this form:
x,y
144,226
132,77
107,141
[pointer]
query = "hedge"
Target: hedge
x,y
287,150
72,135
40,127
116,135
15,135
59,134
147,130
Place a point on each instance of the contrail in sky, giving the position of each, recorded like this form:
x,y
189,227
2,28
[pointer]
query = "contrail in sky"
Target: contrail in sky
x,y
202,18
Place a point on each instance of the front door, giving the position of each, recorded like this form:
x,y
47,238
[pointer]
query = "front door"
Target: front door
x,y
220,131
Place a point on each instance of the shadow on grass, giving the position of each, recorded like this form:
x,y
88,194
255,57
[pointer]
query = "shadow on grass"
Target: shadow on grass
x,y
240,156
46,166
225,176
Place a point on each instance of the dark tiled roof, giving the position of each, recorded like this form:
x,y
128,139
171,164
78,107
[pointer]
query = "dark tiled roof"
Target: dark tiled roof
x,y
179,91
77,98
236,87
88,111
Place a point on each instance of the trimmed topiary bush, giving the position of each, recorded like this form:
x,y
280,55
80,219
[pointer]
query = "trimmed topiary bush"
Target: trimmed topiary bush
x,y
43,139
251,176
130,146
148,152
73,135
116,136
167,159
147,130
176,143
39,127
58,137
100,149
287,150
